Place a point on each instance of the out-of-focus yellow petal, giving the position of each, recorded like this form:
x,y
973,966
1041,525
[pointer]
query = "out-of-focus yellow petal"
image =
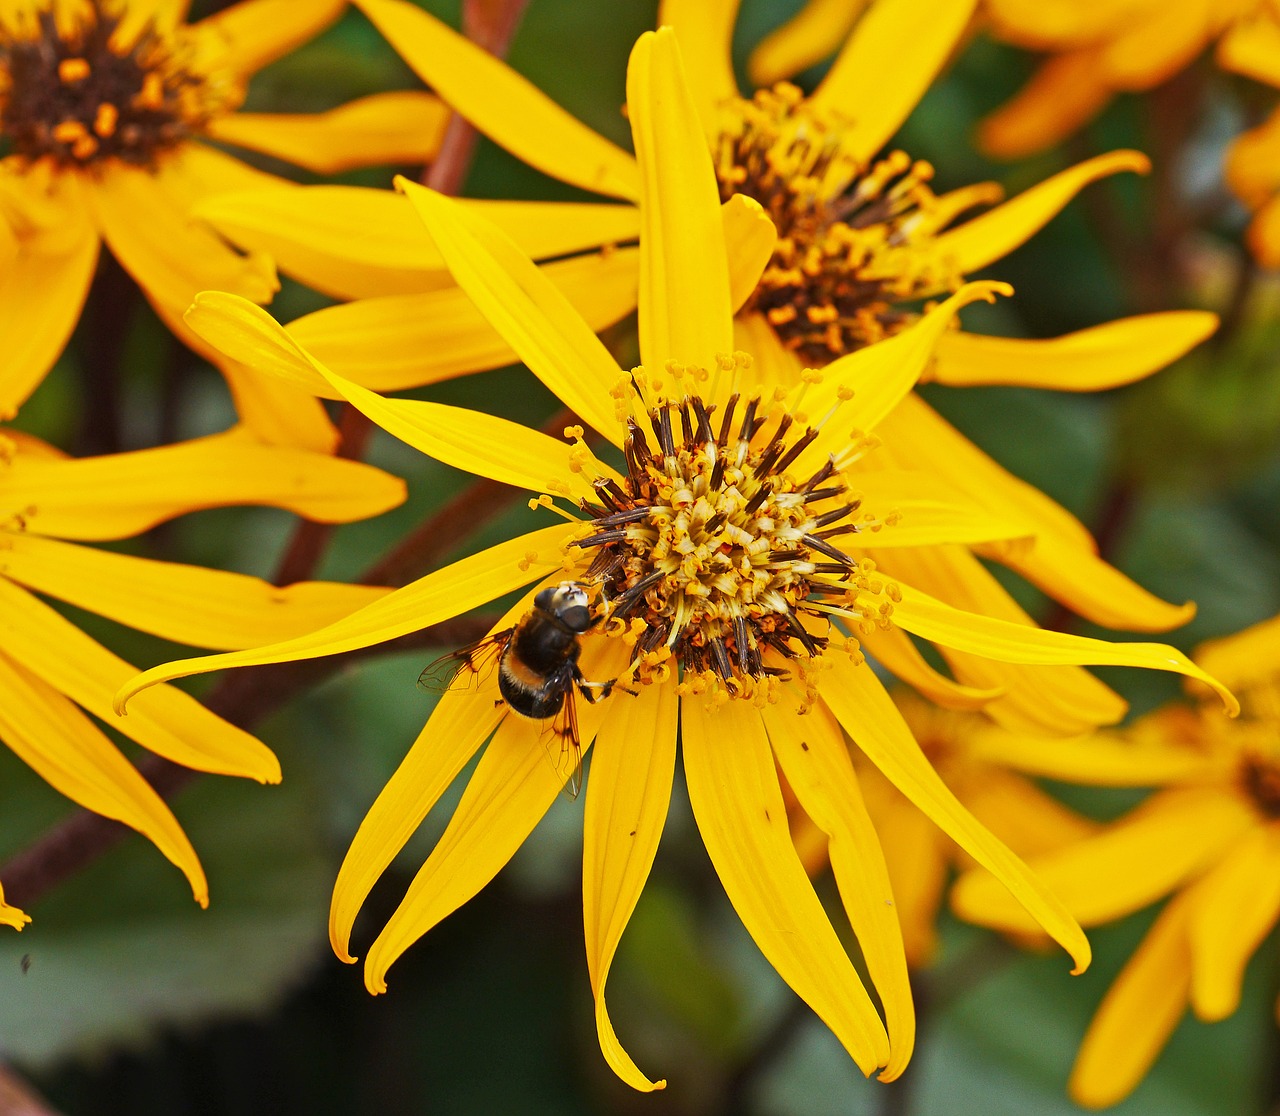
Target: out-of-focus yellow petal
x,y
1022,815
461,721
1137,1015
705,31
507,108
41,296
1064,95
513,785
523,305
169,255
1152,50
69,753
187,604
123,494
860,703
889,61
1172,836
814,33
400,341
930,619
1105,356
749,238
1061,700
11,916
999,231
685,309
249,35
812,754
1263,235
442,594
384,129
1244,658
354,242
893,649
1058,24
1252,163
631,775
1252,47
1233,911
1096,760
167,721
738,805
877,377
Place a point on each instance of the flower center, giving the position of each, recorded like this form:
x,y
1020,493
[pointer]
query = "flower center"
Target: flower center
x,y
74,88
1260,777
853,241
712,553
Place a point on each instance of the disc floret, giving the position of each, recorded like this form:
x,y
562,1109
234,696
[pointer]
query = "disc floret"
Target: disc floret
x,y
854,240
76,88
711,552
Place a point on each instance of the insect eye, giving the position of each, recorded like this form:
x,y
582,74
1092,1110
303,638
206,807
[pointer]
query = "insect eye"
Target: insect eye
x,y
545,598
577,618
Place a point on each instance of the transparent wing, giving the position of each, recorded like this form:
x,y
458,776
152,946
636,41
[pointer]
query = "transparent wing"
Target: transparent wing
x,y
564,745
465,668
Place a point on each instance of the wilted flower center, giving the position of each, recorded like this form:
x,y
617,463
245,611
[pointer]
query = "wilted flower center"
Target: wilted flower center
x,y
711,552
74,88
853,240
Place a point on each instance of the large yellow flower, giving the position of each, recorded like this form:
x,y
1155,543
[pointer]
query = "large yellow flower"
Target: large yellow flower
x,y
733,591
54,678
1208,840
105,110
860,242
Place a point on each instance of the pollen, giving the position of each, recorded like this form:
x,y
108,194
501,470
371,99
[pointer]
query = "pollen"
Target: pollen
x,y
713,553
857,248
75,91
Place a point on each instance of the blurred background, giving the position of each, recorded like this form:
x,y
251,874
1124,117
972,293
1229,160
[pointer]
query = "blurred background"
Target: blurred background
x,y
124,997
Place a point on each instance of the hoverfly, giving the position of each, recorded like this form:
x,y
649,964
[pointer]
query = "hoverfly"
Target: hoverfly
x,y
537,663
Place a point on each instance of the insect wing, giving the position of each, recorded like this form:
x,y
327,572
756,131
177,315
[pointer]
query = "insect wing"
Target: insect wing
x,y
564,745
465,668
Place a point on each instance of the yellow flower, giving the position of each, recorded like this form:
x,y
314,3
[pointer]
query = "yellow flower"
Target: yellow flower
x,y
732,593
11,916
813,165
54,678
1208,841
105,107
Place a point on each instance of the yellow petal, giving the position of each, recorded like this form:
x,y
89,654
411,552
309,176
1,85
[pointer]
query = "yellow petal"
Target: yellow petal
x,y
627,800
354,242
877,378
123,494
1235,908
1129,864
738,805
854,694
1151,50
380,130
41,296
1105,356
814,33
923,513
275,412
930,619
396,342
187,604
1060,700
749,239
524,306
705,31
11,916
812,754
1064,95
889,61
506,107
1252,165
1245,658
442,594
1252,47
685,309
1137,1016
512,787
458,726
999,231
1263,235
69,753
249,35
1022,815
893,649
167,721
170,256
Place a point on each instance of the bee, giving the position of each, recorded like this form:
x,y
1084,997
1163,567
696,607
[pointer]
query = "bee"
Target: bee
x,y
538,674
